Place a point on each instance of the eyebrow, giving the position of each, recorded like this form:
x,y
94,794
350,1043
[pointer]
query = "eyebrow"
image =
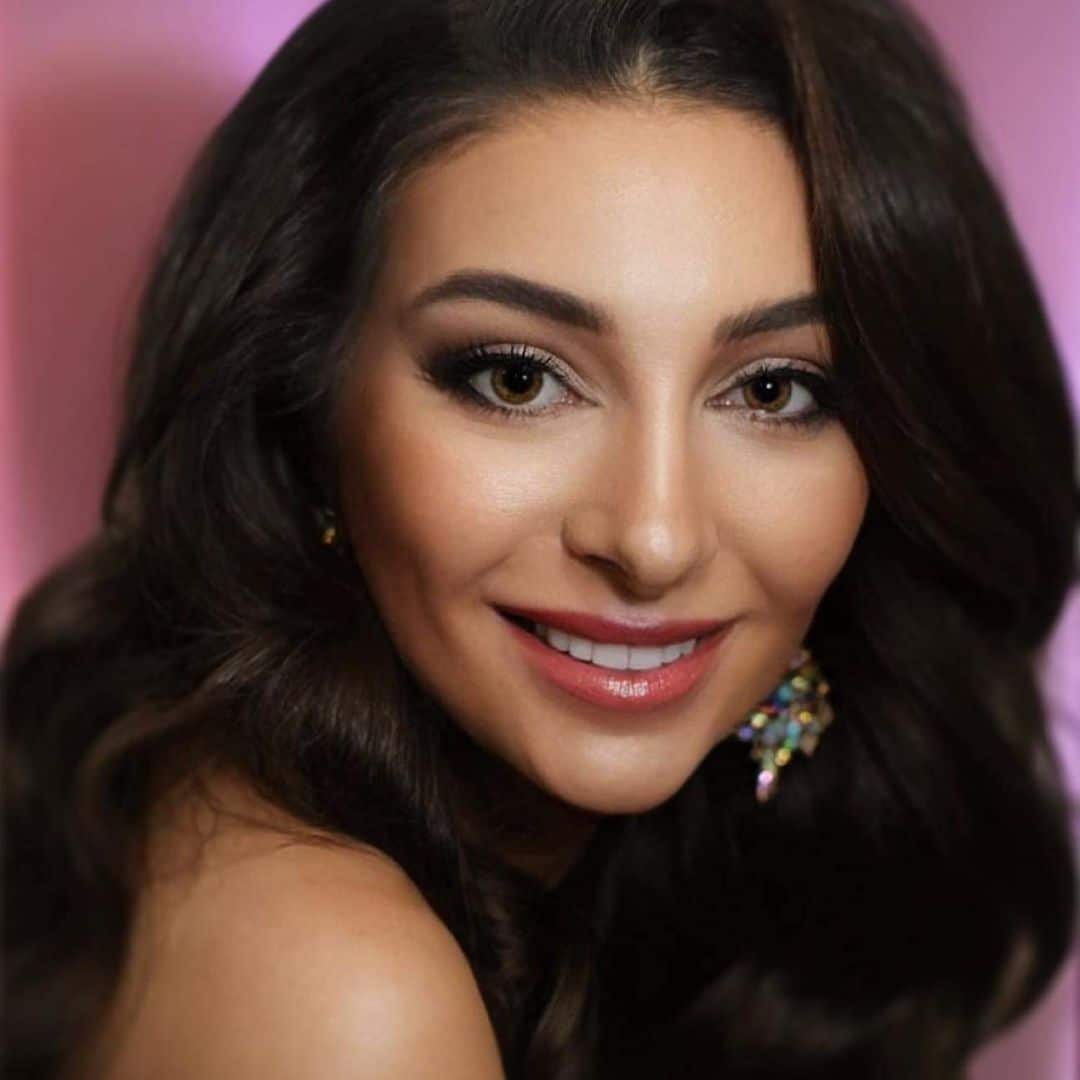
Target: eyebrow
x,y
522,294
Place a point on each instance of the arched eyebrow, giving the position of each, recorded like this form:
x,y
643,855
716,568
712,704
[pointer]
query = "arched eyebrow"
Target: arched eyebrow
x,y
558,305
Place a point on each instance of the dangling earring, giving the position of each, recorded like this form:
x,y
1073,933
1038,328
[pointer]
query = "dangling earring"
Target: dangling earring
x,y
793,717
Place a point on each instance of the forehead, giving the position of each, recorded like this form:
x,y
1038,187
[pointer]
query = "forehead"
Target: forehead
x,y
630,204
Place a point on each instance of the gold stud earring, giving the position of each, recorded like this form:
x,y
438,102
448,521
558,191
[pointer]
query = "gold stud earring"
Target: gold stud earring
x,y
327,525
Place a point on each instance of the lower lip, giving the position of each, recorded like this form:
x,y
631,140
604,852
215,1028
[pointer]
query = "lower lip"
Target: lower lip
x,y
628,691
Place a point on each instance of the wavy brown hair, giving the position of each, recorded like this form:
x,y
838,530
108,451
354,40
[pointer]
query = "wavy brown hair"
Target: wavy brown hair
x,y
901,900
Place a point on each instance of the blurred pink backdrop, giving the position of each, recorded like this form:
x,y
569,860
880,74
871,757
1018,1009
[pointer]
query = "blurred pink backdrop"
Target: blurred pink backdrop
x,y
105,106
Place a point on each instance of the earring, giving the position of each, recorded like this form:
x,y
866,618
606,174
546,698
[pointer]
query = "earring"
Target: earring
x,y
792,718
327,525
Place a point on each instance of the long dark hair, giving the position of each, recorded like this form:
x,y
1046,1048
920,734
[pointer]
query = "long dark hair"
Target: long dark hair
x,y
905,896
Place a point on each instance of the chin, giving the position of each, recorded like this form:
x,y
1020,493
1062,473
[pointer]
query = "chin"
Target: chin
x,y
617,796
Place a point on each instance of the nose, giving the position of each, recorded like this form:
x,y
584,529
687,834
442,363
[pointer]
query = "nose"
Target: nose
x,y
644,508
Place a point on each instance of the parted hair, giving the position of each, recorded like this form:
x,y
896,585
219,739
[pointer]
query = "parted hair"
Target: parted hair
x,y
911,889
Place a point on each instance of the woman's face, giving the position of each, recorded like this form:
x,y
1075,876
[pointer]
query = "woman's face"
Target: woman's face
x,y
632,479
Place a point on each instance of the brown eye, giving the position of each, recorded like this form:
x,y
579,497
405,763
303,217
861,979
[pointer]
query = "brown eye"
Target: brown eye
x,y
768,391
517,383
783,396
514,381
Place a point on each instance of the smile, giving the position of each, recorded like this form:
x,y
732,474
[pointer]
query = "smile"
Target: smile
x,y
603,673
613,656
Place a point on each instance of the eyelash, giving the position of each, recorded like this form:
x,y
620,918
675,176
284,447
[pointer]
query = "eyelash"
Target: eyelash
x,y
450,370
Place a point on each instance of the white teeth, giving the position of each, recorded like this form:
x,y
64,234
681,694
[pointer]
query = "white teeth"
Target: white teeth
x,y
642,658
618,657
580,649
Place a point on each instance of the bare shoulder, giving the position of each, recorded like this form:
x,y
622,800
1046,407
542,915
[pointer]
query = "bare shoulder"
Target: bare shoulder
x,y
270,957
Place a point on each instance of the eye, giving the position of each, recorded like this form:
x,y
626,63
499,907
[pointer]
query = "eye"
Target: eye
x,y
513,380
769,388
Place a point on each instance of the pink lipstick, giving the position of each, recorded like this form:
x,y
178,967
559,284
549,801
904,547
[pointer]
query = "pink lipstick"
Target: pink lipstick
x,y
627,690
633,630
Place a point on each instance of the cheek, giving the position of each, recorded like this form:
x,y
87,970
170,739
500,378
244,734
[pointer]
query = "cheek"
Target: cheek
x,y
432,507
798,515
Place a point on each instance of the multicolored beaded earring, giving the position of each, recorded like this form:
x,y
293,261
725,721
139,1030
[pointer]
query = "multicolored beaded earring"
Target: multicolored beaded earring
x,y
792,718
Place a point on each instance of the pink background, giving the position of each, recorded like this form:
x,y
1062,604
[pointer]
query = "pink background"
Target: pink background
x,y
106,103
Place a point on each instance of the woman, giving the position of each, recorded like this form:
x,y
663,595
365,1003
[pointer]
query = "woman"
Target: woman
x,y
594,481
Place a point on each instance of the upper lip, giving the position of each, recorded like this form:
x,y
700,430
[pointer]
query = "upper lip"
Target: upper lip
x,y
637,631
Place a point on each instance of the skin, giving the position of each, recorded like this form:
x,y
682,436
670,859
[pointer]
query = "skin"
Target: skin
x,y
634,492
262,949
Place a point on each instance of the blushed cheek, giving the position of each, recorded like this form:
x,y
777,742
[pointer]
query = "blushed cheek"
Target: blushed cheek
x,y
431,510
797,537
403,518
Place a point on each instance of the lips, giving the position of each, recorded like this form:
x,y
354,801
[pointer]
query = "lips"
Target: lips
x,y
632,631
618,690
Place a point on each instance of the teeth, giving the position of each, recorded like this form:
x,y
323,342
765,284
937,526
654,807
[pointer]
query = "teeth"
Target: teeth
x,y
619,657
